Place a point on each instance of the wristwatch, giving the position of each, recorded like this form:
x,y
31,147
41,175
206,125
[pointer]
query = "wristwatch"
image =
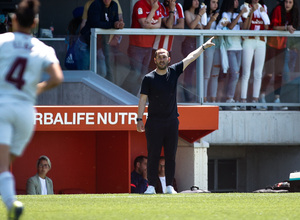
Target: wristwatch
x,y
139,119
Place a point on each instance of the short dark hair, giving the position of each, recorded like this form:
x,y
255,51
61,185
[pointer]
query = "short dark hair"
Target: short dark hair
x,y
161,49
26,12
139,159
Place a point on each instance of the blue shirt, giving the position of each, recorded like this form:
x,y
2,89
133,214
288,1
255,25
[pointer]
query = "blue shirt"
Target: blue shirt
x,y
138,183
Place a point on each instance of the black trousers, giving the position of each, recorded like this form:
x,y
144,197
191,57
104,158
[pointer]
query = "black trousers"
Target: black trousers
x,y
158,134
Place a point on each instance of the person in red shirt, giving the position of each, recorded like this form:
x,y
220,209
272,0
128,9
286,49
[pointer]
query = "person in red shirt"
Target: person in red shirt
x,y
285,17
173,18
146,14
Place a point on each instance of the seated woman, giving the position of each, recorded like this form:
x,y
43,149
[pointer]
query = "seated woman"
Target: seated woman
x,y
40,184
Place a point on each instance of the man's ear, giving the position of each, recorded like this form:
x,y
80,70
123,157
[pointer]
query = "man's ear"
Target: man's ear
x,y
35,23
169,60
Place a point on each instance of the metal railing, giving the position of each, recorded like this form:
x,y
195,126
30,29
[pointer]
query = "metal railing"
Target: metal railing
x,y
199,34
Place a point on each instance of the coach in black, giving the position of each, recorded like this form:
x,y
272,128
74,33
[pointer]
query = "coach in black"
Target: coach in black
x,y
159,86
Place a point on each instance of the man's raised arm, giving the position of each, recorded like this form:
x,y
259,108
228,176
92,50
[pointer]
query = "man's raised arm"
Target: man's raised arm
x,y
196,53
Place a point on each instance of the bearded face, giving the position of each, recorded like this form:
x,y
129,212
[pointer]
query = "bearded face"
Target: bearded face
x,y
162,59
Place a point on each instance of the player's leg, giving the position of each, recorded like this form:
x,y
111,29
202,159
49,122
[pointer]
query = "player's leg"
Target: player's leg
x,y
7,185
7,182
16,128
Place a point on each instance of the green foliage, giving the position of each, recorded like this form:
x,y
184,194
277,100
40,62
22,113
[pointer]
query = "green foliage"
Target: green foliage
x,y
180,206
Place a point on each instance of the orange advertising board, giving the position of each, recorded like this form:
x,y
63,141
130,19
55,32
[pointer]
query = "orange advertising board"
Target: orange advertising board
x,y
117,118
92,136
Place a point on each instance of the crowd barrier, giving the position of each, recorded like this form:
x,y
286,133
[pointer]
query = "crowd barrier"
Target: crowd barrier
x,y
290,92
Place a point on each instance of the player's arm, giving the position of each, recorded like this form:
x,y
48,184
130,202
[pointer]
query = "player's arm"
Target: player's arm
x,y
196,53
56,78
141,109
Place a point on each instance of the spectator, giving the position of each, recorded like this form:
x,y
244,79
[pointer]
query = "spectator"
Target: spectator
x,y
139,180
160,88
176,21
193,15
254,47
161,182
285,17
40,184
212,55
114,41
173,18
23,60
232,20
101,14
72,35
86,8
117,57
85,12
74,25
146,14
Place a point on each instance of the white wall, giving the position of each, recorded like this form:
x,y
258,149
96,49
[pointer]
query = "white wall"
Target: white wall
x,y
257,128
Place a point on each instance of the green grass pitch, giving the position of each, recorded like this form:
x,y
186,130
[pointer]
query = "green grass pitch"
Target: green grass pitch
x,y
179,206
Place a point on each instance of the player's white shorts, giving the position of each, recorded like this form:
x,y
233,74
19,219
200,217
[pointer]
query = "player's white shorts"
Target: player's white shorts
x,y
16,125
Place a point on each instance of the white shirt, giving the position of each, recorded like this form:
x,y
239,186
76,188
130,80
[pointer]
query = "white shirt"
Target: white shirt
x,y
163,183
235,42
23,59
213,25
43,186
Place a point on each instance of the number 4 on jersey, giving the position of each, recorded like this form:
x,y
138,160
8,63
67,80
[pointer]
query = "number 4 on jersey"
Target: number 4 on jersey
x,y
15,74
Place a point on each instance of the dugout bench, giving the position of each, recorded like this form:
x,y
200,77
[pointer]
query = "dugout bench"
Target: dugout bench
x,y
92,148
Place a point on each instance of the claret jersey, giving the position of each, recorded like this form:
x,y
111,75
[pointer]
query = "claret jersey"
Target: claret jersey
x,y
23,59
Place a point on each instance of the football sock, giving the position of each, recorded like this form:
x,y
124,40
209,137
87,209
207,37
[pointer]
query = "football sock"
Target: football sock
x,y
7,188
